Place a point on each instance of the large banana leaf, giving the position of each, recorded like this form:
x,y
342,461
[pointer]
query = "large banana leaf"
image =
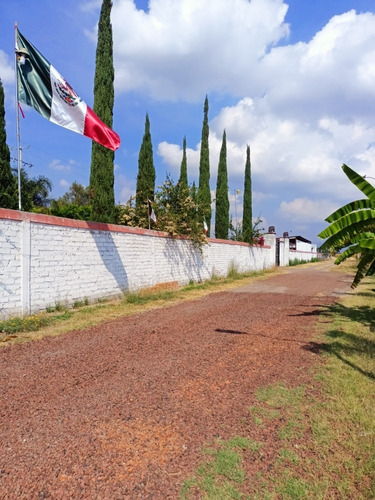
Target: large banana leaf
x,y
349,252
367,241
340,232
360,244
371,269
363,268
353,226
339,241
367,216
360,182
350,207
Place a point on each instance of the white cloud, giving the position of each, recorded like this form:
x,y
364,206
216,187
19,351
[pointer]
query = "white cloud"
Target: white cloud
x,y
334,74
125,189
304,210
62,167
191,47
284,152
6,69
304,109
90,6
172,157
177,51
64,183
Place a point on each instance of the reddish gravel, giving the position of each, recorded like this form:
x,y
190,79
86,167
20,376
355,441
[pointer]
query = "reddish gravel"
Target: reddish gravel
x,y
122,410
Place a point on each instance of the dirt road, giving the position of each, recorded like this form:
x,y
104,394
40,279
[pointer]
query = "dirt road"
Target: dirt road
x,y
122,410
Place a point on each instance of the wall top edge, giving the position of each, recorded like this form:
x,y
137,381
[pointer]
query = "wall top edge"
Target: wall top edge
x,y
16,215
52,220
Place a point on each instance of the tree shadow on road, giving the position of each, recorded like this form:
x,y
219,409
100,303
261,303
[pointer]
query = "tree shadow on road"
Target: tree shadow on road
x,y
357,349
349,348
361,314
258,334
233,332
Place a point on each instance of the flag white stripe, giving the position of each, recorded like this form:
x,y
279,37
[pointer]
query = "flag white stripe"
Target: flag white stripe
x,y
67,108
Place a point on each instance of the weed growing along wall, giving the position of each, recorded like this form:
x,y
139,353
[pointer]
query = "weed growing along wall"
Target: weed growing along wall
x,y
47,260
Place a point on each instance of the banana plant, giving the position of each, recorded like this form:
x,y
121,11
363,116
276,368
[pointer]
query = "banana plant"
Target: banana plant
x,y
352,227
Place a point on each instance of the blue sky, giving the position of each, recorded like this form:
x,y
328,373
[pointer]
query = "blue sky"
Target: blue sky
x,y
294,79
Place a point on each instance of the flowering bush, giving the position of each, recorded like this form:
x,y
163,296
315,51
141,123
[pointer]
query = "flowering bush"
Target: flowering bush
x,y
27,324
176,211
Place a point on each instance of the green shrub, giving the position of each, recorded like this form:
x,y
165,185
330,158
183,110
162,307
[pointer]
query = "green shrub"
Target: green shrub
x,y
28,324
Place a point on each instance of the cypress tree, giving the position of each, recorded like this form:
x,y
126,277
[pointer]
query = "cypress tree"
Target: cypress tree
x,y
102,170
146,173
194,193
222,199
204,194
183,180
247,220
8,194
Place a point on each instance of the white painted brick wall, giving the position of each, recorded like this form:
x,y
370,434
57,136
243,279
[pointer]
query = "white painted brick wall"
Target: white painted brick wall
x,y
10,266
46,260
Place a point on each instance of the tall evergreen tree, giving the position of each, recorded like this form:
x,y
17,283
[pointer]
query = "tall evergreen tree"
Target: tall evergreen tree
x,y
183,180
222,199
8,193
194,193
204,194
102,169
146,173
247,220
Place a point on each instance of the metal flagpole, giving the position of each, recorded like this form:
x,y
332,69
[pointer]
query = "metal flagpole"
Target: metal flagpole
x,y
19,149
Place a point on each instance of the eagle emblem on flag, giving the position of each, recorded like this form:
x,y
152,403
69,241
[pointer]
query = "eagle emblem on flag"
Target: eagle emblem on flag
x,y
66,93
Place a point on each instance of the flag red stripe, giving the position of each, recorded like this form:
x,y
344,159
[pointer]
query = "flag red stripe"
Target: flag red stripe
x,y
99,132
22,113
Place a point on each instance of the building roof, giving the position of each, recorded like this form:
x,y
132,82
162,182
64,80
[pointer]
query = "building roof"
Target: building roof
x,y
300,238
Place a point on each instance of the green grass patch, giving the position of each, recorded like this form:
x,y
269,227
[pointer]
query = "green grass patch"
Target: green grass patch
x,y
293,487
220,477
28,324
140,298
261,416
233,272
80,303
280,396
64,316
298,262
287,455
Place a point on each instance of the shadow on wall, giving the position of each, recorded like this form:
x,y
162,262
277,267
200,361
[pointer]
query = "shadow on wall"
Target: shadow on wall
x,y
191,266
111,258
4,289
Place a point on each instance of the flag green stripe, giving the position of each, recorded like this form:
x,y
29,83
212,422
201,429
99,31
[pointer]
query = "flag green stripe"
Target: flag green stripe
x,y
34,82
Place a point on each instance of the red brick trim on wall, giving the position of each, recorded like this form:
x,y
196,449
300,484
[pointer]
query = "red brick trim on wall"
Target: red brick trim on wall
x,y
35,218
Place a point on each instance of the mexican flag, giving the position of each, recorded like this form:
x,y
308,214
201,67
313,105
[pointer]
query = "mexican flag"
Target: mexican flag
x,y
43,88
151,213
